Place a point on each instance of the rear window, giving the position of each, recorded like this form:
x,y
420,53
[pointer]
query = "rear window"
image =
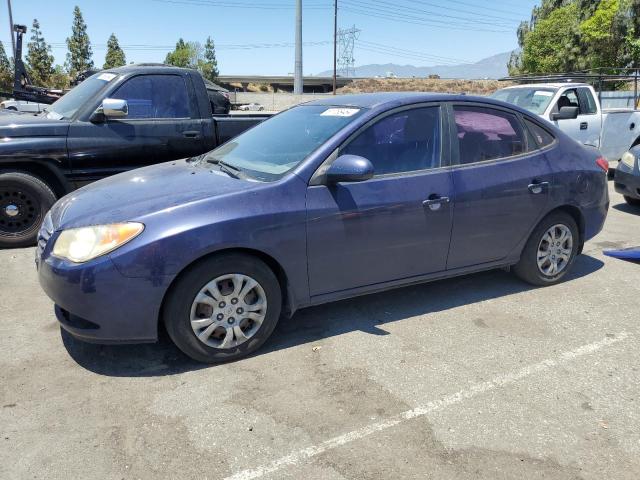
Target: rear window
x,y
541,137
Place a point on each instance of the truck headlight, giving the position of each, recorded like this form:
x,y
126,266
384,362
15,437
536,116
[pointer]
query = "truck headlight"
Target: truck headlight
x,y
86,243
629,159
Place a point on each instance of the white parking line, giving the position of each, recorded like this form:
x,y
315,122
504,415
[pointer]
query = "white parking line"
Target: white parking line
x,y
299,456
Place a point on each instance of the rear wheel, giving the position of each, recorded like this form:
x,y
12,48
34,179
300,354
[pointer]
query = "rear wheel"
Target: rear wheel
x,y
223,308
24,201
632,201
550,250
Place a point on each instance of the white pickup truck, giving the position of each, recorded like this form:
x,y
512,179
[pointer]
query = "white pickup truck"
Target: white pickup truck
x,y
576,110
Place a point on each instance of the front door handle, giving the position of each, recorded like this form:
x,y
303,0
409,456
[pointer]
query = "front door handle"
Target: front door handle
x,y
191,134
538,187
584,126
434,202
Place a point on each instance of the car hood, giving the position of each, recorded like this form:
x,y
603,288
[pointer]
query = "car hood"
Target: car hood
x,y
28,125
135,194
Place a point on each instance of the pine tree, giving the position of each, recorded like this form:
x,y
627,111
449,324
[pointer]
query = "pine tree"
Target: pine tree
x,y
39,60
80,53
6,74
209,66
115,55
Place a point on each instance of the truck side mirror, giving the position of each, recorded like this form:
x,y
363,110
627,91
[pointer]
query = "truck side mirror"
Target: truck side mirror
x,y
565,113
110,108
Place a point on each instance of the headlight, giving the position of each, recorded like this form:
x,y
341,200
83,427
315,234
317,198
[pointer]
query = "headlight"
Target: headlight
x,y
86,243
629,159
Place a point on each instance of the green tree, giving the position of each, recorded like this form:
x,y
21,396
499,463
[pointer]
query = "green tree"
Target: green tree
x,y
59,78
115,55
6,71
209,65
39,60
80,53
553,44
185,55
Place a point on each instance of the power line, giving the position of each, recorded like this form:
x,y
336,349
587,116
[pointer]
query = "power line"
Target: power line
x,y
389,15
412,11
229,4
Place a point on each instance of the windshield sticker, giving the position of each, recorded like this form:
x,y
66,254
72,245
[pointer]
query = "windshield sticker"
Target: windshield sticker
x,y
542,93
339,112
107,76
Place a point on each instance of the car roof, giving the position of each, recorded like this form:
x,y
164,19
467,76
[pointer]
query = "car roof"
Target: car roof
x,y
146,68
387,100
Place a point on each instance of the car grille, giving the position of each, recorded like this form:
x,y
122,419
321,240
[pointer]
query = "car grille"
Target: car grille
x,y
46,230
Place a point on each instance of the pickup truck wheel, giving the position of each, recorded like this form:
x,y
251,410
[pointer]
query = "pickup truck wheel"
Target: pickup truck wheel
x,y
550,250
632,201
24,201
223,308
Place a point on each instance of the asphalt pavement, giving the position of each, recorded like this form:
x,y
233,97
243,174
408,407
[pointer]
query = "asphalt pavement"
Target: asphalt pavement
x,y
479,377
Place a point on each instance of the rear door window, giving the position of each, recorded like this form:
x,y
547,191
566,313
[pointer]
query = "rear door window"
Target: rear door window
x,y
155,96
406,141
487,134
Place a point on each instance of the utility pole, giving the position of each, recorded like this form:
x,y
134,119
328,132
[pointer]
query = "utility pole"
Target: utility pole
x,y
297,79
335,44
13,39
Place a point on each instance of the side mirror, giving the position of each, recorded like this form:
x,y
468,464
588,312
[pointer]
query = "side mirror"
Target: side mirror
x,y
565,113
349,168
110,108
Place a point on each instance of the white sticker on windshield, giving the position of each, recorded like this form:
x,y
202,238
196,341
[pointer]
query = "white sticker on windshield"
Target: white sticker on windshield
x,y
542,93
106,76
339,112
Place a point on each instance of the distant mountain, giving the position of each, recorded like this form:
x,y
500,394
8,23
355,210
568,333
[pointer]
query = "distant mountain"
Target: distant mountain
x,y
491,67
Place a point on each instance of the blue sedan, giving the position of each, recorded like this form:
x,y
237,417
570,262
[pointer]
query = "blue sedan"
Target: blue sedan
x,y
328,200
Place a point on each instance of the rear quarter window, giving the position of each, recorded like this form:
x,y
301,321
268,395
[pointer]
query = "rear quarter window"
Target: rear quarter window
x,y
539,137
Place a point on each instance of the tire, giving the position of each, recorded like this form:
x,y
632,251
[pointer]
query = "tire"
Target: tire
x,y
181,307
528,269
24,201
632,201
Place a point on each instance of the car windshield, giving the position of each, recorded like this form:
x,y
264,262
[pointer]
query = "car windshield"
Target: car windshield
x,y
272,148
536,100
69,104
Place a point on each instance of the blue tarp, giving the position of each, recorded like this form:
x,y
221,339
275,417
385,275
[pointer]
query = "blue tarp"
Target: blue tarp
x,y
631,253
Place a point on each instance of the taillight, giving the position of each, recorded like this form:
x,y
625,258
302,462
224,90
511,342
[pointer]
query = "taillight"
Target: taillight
x,y
603,164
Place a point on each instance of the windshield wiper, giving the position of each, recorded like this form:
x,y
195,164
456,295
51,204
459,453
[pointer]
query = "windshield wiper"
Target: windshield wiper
x,y
227,168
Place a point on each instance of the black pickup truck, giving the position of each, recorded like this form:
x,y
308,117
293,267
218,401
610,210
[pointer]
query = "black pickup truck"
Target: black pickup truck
x,y
115,120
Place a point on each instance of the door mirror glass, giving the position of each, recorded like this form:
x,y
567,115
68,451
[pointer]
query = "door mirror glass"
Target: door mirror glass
x,y
115,108
565,113
349,168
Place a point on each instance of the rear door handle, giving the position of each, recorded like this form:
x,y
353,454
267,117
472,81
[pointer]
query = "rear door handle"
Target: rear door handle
x,y
191,134
434,202
538,187
584,126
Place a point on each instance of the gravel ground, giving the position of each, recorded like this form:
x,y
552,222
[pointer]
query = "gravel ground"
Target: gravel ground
x,y
477,377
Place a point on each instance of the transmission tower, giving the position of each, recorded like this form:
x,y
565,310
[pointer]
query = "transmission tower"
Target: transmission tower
x,y
346,44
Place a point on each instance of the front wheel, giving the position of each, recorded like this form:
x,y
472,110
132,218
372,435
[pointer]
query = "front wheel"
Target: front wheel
x,y
224,308
550,250
24,201
632,201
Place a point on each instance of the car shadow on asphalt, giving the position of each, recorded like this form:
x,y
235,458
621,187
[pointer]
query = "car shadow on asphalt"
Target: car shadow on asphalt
x,y
626,208
367,314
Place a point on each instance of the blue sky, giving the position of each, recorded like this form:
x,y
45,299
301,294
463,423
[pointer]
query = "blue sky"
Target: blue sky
x,y
246,32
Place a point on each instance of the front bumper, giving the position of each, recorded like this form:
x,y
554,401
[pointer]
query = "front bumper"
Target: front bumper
x,y
96,303
627,183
